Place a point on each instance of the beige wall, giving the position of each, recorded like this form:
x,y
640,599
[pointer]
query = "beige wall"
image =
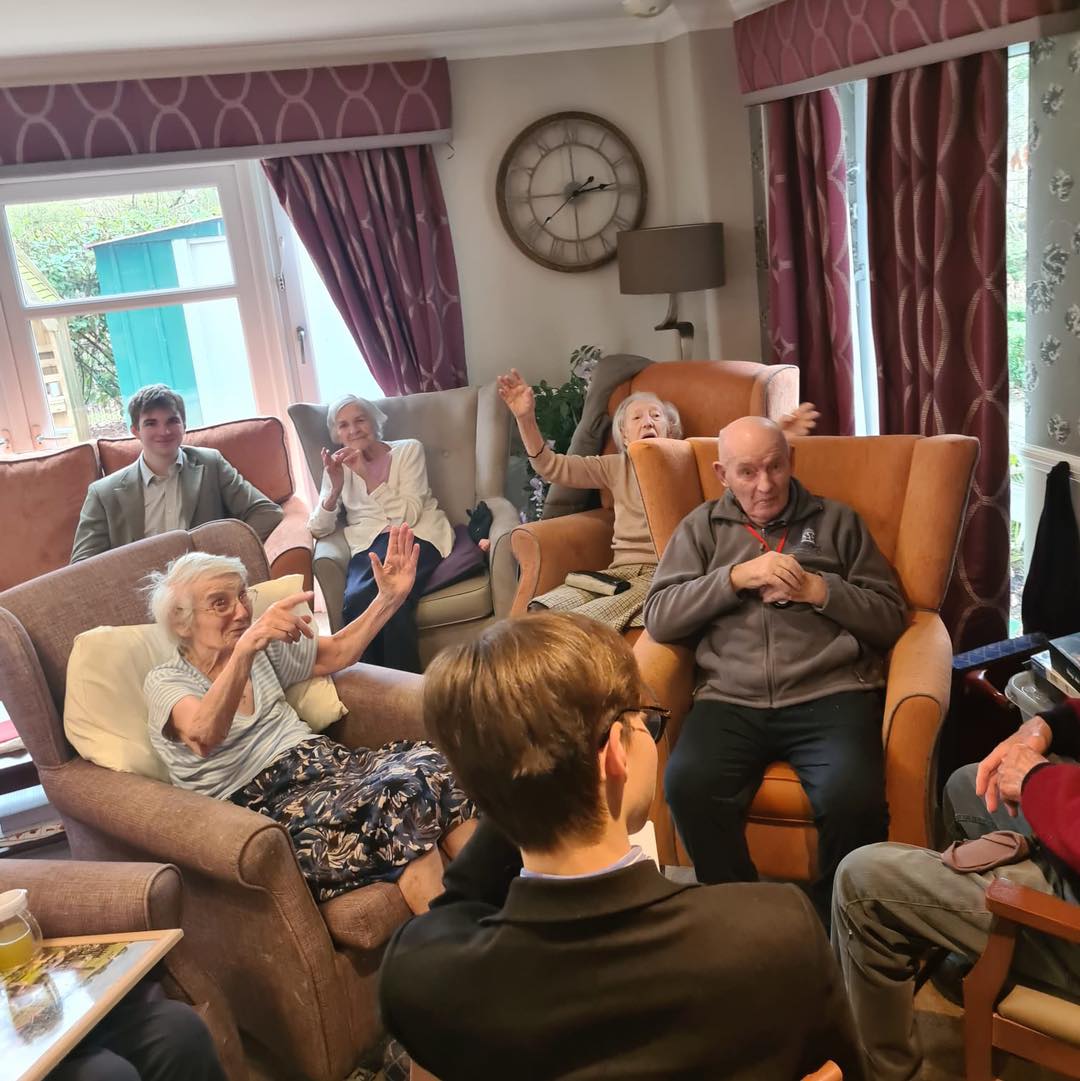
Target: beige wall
x,y
678,105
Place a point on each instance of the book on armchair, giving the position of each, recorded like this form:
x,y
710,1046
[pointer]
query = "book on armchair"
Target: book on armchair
x,y
1065,657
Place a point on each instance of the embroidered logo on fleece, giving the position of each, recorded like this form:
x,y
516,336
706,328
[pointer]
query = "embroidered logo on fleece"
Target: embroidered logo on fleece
x,y
808,540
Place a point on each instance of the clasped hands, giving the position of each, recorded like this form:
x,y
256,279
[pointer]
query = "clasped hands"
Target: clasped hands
x,y
1001,773
336,462
779,578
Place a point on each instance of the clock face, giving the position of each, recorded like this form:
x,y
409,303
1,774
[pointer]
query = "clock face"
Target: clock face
x,y
567,185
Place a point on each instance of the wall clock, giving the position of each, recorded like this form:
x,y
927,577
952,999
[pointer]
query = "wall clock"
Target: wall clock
x,y
567,185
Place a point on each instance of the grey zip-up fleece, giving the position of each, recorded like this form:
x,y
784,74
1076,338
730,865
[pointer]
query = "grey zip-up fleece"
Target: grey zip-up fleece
x,y
755,654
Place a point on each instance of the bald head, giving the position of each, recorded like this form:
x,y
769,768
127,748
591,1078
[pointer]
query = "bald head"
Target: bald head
x,y
755,464
749,437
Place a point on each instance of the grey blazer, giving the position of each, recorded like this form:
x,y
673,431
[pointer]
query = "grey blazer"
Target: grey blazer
x,y
210,489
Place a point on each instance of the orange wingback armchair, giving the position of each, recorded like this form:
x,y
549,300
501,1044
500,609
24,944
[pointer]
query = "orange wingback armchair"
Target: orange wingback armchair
x,y
912,492
708,394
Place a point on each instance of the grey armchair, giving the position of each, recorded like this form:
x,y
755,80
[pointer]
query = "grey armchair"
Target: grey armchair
x,y
466,437
298,977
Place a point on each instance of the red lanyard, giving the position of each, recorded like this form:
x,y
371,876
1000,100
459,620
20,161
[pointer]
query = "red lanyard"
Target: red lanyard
x,y
764,543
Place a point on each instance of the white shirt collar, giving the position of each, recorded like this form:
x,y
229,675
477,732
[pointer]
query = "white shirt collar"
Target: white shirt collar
x,y
148,474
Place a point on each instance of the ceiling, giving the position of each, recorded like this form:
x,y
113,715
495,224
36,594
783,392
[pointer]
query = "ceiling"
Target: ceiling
x,y
72,39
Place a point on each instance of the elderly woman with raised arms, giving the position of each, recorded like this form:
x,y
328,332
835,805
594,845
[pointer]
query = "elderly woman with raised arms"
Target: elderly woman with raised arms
x,y
380,485
220,722
639,416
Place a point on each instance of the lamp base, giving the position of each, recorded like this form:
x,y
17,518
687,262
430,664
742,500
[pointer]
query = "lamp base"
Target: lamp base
x,y
685,329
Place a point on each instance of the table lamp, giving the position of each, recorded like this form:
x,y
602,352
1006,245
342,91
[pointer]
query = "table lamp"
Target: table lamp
x,y
672,259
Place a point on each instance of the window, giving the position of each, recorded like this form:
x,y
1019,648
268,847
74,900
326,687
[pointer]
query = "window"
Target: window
x,y
112,281
330,362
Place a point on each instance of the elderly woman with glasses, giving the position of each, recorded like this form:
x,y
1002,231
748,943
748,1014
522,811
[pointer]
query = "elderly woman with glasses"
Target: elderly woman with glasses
x,y
379,484
639,416
221,724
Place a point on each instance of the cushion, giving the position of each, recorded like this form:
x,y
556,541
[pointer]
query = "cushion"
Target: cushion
x,y
460,602
464,561
47,490
104,708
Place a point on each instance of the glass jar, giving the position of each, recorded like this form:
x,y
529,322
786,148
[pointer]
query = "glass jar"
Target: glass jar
x,y
20,936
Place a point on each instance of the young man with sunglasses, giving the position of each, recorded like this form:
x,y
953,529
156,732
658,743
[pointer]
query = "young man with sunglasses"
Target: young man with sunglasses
x,y
559,950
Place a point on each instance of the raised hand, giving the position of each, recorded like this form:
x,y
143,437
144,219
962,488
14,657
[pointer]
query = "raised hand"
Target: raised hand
x,y
396,574
279,623
517,394
335,471
802,420
350,458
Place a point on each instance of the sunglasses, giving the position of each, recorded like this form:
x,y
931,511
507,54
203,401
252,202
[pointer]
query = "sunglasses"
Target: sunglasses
x,y
655,718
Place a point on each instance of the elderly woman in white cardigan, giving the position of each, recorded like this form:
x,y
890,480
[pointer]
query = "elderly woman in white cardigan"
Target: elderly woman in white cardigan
x,y
380,485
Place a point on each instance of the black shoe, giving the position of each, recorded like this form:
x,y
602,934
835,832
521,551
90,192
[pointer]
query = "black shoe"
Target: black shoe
x,y
946,971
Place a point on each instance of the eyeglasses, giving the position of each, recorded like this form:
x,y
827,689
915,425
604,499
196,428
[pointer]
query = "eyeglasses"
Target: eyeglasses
x,y
655,718
226,605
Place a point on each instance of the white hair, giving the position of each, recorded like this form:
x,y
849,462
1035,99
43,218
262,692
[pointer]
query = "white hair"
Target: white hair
x,y
374,414
674,420
171,592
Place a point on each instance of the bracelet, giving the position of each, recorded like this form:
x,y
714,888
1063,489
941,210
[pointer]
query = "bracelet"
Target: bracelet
x,y
537,454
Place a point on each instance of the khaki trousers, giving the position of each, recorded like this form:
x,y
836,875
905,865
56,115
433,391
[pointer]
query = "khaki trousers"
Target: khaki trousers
x,y
892,903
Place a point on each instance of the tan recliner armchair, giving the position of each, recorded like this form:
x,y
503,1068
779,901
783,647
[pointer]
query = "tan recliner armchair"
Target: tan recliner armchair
x,y
912,493
708,395
465,433
298,976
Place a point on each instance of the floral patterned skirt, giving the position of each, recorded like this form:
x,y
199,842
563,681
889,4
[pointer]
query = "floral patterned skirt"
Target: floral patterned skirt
x,y
358,816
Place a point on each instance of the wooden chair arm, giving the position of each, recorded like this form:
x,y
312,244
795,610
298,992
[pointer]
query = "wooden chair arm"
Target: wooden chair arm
x,y
1039,911
829,1072
979,683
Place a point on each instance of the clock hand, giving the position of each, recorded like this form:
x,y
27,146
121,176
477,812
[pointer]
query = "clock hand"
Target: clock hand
x,y
584,185
595,187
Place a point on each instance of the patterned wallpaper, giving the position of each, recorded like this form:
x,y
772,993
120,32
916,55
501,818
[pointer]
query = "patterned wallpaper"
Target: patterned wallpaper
x,y
1053,291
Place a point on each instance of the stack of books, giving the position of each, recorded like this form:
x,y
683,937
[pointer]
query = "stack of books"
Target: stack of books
x,y
1060,664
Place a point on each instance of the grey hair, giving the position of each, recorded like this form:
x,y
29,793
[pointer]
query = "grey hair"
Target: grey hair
x,y
374,414
674,420
171,592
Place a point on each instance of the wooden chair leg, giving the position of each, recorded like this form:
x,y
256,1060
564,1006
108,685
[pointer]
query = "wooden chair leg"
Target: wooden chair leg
x,y
982,986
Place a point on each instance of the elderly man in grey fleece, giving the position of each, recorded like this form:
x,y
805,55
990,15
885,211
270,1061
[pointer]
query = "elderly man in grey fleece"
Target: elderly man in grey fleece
x,y
792,607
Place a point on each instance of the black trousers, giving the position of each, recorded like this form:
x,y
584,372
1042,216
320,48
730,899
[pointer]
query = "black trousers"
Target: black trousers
x,y
395,646
145,1037
832,743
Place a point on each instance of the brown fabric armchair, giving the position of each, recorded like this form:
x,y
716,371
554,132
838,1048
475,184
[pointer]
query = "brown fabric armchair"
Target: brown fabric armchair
x,y
911,492
70,897
708,395
299,977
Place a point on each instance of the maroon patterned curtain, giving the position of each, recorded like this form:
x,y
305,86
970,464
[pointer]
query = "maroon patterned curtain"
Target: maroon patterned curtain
x,y
936,189
375,225
809,260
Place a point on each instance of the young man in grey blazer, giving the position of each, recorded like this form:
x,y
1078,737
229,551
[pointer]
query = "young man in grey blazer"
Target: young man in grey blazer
x,y
170,486
558,949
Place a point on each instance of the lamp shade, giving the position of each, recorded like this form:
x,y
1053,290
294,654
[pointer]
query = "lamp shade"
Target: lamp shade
x,y
671,259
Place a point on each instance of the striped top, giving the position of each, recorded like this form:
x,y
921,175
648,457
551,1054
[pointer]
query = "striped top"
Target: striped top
x,y
253,742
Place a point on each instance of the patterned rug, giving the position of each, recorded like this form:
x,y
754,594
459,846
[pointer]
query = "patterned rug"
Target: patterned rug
x,y
11,844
